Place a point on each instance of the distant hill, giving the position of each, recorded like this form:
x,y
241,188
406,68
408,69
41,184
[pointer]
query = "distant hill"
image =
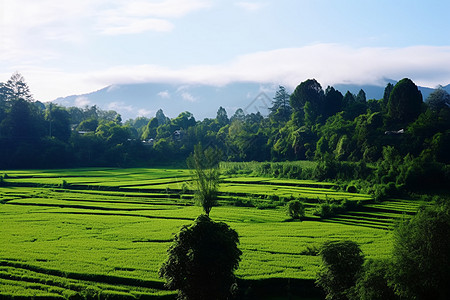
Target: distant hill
x,y
144,99
132,100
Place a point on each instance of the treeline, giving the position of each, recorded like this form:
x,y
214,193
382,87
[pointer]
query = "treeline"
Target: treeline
x,y
405,137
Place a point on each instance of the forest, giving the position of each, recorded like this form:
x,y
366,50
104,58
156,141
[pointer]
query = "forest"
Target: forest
x,y
386,146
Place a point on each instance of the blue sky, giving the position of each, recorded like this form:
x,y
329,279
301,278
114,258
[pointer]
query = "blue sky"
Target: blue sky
x,y
65,47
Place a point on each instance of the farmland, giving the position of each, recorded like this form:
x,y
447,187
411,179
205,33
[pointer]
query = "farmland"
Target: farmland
x,y
104,232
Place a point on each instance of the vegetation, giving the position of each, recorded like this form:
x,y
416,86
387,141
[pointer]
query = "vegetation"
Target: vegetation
x,y
206,175
202,259
358,166
341,264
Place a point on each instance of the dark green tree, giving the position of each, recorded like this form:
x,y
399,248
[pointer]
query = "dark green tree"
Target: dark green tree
x,y
387,93
438,99
295,209
405,103
373,282
206,175
361,97
341,265
17,88
222,117
281,108
162,119
333,102
421,255
202,260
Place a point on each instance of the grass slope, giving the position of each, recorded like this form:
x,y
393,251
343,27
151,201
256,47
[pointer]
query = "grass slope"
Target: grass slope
x,y
105,232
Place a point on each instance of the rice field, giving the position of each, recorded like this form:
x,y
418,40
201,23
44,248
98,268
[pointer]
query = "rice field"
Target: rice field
x,y
103,233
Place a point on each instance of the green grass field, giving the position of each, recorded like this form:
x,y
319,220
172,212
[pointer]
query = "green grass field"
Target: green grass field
x,y
104,232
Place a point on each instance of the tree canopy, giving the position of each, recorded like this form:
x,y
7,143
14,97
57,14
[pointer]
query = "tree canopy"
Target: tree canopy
x,y
202,260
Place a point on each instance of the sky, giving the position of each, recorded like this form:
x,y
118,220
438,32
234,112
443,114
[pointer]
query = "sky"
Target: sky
x,y
66,47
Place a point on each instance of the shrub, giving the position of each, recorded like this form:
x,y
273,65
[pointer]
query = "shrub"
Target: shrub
x,y
341,264
372,283
295,209
202,259
421,255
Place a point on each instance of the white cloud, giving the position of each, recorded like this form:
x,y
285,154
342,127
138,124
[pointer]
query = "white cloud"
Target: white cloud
x,y
119,106
145,112
164,94
188,97
82,101
328,63
131,17
250,6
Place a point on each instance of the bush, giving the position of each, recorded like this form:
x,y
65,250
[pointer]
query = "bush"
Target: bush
x,y
421,255
372,283
202,259
295,209
341,264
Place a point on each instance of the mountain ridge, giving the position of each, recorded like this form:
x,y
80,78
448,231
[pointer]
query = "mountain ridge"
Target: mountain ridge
x,y
202,100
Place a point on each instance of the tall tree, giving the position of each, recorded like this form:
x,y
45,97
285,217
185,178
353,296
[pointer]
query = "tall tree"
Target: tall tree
x,y
333,102
222,117
281,108
438,99
405,102
387,93
308,91
17,88
206,175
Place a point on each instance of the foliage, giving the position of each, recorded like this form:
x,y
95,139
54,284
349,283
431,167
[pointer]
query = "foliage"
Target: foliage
x,y
421,254
405,102
341,264
295,209
206,175
373,281
202,259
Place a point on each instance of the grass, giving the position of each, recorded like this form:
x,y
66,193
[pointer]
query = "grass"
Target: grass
x,y
110,241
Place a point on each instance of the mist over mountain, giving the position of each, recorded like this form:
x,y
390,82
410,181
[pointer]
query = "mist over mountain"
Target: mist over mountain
x,y
144,99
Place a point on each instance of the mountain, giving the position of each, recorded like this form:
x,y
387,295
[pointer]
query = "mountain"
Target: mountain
x,y
132,100
144,99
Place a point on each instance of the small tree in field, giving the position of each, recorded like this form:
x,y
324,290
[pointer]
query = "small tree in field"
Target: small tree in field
x,y
206,175
341,263
295,209
202,260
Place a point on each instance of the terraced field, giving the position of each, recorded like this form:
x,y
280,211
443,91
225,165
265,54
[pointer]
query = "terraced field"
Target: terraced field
x,y
104,232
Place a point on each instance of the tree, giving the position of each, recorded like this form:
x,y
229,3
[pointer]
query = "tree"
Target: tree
x,y
373,284
387,93
438,99
421,255
222,117
281,108
162,119
295,209
341,264
201,260
206,175
17,88
405,102
361,97
333,102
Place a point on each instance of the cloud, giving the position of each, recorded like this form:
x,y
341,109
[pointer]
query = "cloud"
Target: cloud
x,y
119,106
188,97
145,112
82,101
328,63
164,94
132,17
250,6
